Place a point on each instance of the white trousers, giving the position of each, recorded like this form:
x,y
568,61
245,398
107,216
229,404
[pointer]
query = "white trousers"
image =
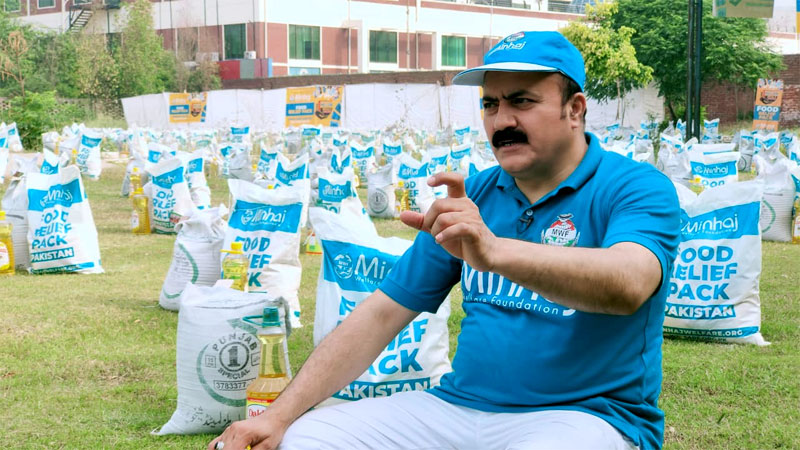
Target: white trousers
x,y
418,420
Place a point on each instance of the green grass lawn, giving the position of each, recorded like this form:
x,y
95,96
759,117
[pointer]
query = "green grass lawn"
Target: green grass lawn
x,y
89,361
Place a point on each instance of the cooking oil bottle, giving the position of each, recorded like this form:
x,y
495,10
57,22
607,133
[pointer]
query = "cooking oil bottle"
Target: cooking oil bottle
x,y
135,179
234,266
696,184
273,373
6,246
796,221
140,218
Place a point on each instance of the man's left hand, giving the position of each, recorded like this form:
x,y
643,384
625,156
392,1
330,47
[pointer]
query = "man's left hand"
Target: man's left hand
x,y
456,223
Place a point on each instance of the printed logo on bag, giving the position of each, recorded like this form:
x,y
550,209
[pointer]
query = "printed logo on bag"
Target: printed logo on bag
x,y
562,232
353,267
407,172
723,223
168,179
362,153
378,201
59,194
248,216
227,365
287,177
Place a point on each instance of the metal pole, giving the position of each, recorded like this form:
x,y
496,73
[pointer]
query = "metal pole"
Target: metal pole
x,y
698,78
689,70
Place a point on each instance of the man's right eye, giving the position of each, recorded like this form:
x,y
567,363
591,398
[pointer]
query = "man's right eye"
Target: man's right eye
x,y
489,104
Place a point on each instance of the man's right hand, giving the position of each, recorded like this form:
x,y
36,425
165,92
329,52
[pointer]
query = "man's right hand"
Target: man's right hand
x,y
263,432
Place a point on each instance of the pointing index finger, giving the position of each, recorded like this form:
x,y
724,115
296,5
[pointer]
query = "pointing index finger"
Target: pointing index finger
x,y
453,181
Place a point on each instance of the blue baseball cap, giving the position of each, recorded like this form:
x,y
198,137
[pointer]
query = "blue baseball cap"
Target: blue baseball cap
x,y
529,51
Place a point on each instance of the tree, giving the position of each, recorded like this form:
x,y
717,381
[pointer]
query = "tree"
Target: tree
x,y
144,66
612,69
14,60
97,76
734,49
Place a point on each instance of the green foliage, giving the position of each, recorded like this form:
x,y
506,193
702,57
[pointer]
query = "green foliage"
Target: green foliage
x,y
144,66
97,75
204,77
612,69
734,49
40,112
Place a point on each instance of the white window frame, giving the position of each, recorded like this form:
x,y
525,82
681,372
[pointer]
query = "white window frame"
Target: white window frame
x,y
39,6
384,66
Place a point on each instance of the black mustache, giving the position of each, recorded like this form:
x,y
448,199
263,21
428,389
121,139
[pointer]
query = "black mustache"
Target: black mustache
x,y
509,134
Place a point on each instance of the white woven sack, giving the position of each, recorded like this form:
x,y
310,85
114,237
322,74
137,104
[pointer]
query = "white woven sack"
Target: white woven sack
x,y
713,289
356,260
15,204
169,195
61,233
3,156
195,257
88,158
414,175
778,200
381,200
267,223
196,178
714,169
217,356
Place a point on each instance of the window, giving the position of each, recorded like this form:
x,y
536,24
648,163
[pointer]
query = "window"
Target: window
x,y
454,52
235,41
382,47
304,71
303,42
12,5
81,2
41,4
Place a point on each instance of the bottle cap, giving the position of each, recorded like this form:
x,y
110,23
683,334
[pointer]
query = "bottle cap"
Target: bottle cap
x,y
236,248
2,215
271,317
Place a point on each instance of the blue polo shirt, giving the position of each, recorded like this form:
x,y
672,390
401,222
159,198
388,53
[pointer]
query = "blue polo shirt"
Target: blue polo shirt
x,y
518,351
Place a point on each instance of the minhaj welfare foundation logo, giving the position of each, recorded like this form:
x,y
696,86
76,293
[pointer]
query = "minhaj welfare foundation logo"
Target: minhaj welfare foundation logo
x,y
561,233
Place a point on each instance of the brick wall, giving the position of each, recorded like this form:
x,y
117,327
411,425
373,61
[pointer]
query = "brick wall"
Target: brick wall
x,y
731,103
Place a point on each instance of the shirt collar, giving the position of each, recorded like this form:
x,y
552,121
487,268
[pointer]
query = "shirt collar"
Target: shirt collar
x,y
579,176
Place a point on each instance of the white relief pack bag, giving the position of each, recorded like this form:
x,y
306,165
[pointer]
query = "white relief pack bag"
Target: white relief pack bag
x,y
61,230
295,174
157,153
673,159
88,158
714,169
391,149
4,156
267,222
169,195
355,261
267,162
195,255
15,204
340,159
14,142
50,162
217,356
714,286
457,157
363,160
778,200
196,178
414,175
437,157
335,187
381,199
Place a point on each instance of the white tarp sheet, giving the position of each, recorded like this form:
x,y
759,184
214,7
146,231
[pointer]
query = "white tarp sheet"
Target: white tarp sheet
x,y
369,107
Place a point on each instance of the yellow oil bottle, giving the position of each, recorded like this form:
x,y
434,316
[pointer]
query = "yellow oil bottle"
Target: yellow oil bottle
x,y
234,266
6,246
140,218
273,373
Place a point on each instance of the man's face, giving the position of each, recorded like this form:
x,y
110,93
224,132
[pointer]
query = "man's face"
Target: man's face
x,y
529,128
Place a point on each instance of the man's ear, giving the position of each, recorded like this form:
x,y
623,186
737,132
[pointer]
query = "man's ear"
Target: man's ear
x,y
577,107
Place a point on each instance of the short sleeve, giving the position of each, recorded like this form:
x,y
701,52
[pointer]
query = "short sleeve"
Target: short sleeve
x,y
423,276
645,210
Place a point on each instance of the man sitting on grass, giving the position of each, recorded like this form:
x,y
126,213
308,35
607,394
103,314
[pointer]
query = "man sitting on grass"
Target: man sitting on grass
x,y
563,253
